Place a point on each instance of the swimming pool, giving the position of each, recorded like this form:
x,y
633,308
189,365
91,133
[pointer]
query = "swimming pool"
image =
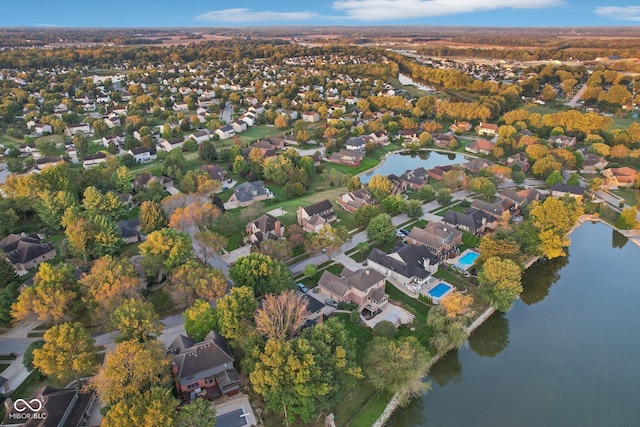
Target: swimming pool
x,y
439,290
468,259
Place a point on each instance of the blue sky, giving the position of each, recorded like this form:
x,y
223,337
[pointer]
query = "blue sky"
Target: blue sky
x,y
169,13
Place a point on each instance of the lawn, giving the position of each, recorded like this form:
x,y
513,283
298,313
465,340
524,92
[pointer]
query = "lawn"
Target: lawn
x,y
449,276
366,164
3,366
258,132
629,195
418,308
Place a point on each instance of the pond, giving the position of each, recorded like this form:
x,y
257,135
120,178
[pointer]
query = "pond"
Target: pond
x,y
565,355
398,163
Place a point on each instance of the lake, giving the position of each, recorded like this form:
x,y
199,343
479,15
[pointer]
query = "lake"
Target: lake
x,y
408,81
565,355
398,163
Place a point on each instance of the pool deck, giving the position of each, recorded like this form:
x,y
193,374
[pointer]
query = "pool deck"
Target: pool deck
x,y
455,262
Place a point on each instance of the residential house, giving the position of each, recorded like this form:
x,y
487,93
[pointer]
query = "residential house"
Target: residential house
x,y
476,165
48,161
460,127
440,239
248,118
314,217
399,184
264,228
239,126
379,137
129,230
74,128
620,177
117,140
559,190
593,163
26,251
310,116
487,129
346,157
410,266
249,192
200,136
204,102
215,172
170,144
474,220
204,368
355,143
519,199
415,178
354,200
225,132
364,287
479,146
438,172
495,209
444,140
94,160
521,160
57,407
143,154
42,128
408,136
562,141
27,149
180,106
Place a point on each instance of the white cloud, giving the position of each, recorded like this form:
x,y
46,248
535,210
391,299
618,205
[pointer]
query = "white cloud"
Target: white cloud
x,y
386,10
621,13
242,15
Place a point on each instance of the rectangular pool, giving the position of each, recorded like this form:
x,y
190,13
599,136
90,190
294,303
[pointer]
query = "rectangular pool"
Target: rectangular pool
x,y
439,290
468,259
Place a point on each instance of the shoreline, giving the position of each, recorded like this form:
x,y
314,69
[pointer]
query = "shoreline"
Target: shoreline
x,y
393,403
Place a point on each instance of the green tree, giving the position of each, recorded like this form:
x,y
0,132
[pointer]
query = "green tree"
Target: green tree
x,y
198,413
132,368
398,367
574,179
165,250
444,196
364,214
413,209
27,357
554,178
200,319
426,193
51,206
235,312
385,329
7,272
152,217
261,273
354,183
193,279
68,352
627,219
310,270
381,229
153,407
483,186
328,239
136,320
393,205
448,332
50,297
500,282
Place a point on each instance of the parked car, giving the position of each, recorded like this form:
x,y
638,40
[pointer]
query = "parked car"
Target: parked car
x,y
302,288
404,231
331,303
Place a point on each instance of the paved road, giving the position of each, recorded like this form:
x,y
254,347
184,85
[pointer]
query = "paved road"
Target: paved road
x,y
227,113
574,101
15,345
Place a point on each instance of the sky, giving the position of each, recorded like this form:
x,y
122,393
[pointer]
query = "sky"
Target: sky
x,y
219,13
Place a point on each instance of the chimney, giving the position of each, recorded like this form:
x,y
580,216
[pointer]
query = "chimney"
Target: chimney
x,y
367,271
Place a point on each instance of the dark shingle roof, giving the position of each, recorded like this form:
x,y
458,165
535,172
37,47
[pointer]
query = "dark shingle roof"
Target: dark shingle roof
x,y
199,357
22,249
407,261
317,208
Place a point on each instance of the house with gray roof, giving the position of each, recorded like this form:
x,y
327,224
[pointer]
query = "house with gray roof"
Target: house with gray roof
x,y
410,266
26,251
316,216
203,368
474,220
249,192
264,228
364,287
438,238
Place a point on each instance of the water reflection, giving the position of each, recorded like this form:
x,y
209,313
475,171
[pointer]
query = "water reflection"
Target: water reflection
x,y
492,338
410,415
451,156
447,369
539,278
423,155
618,240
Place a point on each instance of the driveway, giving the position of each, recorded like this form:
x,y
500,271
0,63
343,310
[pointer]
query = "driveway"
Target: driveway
x,y
232,256
391,313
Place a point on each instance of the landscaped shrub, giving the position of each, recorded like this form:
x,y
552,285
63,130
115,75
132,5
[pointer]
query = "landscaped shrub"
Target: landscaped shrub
x,y
385,329
354,317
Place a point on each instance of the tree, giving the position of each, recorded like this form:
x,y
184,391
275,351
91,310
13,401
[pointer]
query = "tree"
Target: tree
x,y
108,283
457,304
198,413
280,249
354,183
136,320
328,239
627,219
554,218
27,357
483,186
50,297
364,214
448,332
207,152
51,206
574,179
545,165
413,209
68,352
131,369
96,203
261,273
310,270
380,187
426,193
554,178
398,367
209,244
7,272
151,217
385,329
500,282
235,312
393,205
154,407
193,279
281,316
200,319
381,229
444,196
165,250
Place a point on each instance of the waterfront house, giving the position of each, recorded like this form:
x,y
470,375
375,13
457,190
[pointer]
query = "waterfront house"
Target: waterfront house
x,y
314,217
364,287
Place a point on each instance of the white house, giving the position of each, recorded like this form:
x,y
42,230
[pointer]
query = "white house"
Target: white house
x,y
239,126
226,132
72,129
143,154
170,144
310,116
200,136
93,160
249,119
42,128
180,106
